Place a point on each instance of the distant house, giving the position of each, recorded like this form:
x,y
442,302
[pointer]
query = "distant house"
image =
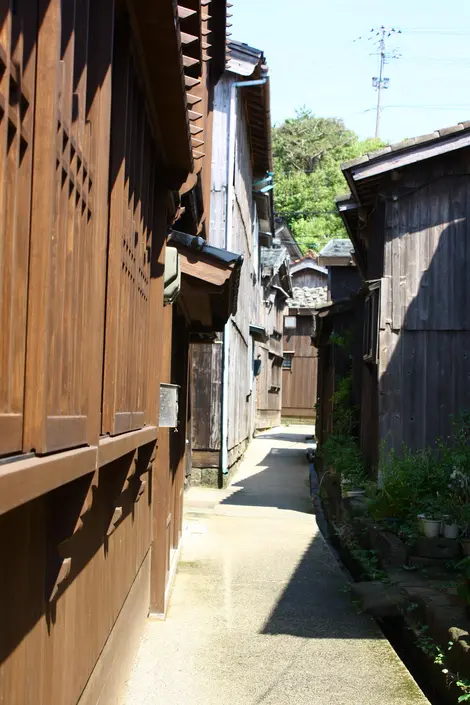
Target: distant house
x,y
407,217
299,378
268,351
344,279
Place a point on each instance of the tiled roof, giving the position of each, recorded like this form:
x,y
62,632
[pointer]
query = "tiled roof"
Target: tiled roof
x,y
338,247
308,297
273,257
408,144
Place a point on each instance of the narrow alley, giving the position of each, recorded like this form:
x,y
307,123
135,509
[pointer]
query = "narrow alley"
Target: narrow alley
x,y
258,612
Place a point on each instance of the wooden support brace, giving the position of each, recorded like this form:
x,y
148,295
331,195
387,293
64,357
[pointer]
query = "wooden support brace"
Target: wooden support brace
x,y
62,575
117,514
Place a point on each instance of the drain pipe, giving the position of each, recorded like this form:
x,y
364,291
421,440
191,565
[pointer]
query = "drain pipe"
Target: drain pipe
x,y
231,130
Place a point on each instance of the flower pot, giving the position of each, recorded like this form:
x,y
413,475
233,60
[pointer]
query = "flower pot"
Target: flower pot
x,y
450,531
431,528
465,543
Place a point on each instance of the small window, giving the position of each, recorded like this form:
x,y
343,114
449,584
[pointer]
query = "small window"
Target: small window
x,y
371,323
290,322
287,362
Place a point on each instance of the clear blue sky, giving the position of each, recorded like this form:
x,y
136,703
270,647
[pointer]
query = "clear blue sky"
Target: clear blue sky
x,y
314,61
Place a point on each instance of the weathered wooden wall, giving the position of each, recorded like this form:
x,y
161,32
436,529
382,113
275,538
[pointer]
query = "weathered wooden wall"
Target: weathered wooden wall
x,y
309,278
270,380
425,317
207,360
299,384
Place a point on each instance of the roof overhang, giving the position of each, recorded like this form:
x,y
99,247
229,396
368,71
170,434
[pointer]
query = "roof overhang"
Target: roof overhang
x,y
210,279
350,213
366,174
307,263
259,333
156,25
336,261
324,319
249,63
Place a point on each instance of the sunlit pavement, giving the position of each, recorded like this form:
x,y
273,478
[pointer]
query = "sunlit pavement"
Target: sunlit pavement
x,y
258,614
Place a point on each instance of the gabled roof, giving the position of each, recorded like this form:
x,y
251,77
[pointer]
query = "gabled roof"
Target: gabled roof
x,y
307,263
275,261
243,59
337,253
364,174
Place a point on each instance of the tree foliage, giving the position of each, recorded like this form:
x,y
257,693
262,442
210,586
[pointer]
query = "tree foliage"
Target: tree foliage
x,y
308,153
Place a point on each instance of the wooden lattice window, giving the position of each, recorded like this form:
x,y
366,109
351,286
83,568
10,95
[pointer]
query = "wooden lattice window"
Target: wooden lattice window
x,y
132,212
65,247
17,85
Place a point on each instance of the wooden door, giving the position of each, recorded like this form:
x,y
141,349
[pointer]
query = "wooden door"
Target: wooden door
x,y
17,87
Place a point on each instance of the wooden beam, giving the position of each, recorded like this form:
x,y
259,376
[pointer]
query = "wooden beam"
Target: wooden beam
x,y
185,12
24,480
190,82
195,130
196,143
188,38
193,99
111,448
193,115
188,61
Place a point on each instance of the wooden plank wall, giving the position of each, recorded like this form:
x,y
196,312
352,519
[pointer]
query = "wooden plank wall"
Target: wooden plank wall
x,y
425,318
299,384
207,360
89,303
269,382
309,277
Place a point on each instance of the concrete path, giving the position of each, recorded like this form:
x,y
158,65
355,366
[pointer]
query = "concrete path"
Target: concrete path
x,y
258,614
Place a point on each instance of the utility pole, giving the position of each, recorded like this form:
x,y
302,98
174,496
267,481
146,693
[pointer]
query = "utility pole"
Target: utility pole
x,y
380,36
380,83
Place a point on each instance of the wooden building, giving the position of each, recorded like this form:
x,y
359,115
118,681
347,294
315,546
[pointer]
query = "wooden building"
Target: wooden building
x,y
300,364
337,333
344,278
307,272
223,398
407,218
268,350
105,108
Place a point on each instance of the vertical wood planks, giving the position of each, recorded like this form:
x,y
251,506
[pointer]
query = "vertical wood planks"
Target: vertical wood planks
x,y
17,89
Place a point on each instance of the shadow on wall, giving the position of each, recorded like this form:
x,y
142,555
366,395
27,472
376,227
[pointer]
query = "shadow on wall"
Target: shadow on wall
x,y
427,379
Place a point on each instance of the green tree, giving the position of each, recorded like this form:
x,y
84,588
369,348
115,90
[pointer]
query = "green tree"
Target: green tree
x,y
308,153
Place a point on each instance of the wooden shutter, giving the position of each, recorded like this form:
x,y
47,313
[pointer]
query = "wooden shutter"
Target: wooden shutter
x,y
17,83
62,248
131,222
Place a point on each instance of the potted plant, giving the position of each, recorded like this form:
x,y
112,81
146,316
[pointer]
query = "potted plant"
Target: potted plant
x,y
431,518
450,524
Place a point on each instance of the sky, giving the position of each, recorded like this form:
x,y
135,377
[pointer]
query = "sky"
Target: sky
x,y
317,60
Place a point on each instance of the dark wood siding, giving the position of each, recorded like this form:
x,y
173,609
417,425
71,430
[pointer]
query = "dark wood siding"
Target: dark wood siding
x,y
425,318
